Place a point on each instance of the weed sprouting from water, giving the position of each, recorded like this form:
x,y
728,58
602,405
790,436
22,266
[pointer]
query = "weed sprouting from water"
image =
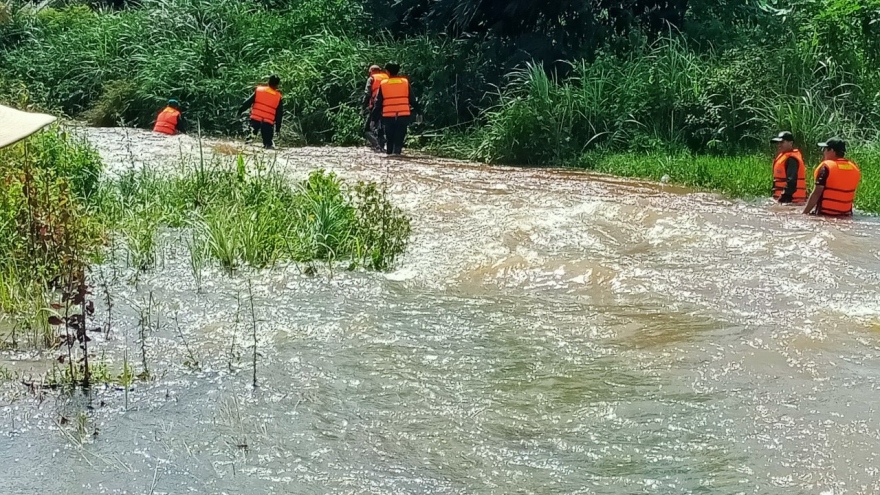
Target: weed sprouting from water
x,y
141,236
146,324
191,360
222,240
108,303
382,229
253,328
126,378
232,354
198,257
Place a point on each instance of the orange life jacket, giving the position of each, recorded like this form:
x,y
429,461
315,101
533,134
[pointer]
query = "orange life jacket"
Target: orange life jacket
x,y
166,122
780,178
395,97
840,187
377,81
266,103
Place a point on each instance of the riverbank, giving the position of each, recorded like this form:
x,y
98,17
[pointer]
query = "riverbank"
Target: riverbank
x,y
650,108
738,177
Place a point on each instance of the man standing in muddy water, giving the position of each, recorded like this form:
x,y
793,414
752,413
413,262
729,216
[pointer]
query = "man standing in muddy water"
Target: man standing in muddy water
x,y
789,173
377,138
395,105
267,111
836,182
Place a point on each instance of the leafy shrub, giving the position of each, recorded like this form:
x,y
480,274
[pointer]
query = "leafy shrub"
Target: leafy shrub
x,y
348,126
46,230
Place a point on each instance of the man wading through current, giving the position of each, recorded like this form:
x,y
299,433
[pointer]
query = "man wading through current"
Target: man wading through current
x,y
836,182
377,138
395,105
267,110
789,173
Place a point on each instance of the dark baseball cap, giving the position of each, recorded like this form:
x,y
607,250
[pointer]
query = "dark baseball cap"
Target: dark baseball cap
x,y
783,136
836,144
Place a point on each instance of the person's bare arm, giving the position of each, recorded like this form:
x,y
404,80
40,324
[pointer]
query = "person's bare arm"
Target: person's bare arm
x,y
814,199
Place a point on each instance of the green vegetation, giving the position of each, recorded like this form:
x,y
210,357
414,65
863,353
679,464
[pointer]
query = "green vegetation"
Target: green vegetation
x,y
258,219
534,82
46,230
57,219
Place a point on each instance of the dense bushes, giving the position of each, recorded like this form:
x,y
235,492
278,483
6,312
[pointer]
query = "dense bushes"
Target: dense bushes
x,y
121,66
672,97
648,75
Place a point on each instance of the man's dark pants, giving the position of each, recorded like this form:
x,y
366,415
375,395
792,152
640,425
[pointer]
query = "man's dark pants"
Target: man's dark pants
x,y
377,138
395,133
265,129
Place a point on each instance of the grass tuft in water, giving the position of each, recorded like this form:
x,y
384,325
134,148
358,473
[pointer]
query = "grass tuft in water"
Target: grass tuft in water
x,y
257,219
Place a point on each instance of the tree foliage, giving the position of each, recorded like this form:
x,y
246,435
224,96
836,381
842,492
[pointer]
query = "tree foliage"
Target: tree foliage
x,y
544,29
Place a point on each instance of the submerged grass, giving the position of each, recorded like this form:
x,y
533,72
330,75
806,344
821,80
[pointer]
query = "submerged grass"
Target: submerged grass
x,y
256,219
57,219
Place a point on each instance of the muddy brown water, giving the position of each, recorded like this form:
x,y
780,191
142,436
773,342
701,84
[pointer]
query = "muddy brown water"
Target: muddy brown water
x,y
549,331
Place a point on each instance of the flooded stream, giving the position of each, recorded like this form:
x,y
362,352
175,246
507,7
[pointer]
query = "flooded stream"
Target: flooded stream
x,y
548,331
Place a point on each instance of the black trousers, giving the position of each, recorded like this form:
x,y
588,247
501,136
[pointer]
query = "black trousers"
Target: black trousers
x,y
395,133
377,138
266,130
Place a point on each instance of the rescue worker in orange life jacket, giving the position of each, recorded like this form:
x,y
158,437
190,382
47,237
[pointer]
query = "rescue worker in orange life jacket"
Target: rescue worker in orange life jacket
x,y
170,120
377,138
789,173
836,181
395,106
267,111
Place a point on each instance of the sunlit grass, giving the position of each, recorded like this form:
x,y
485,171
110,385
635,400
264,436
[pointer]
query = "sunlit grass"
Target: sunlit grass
x,y
256,219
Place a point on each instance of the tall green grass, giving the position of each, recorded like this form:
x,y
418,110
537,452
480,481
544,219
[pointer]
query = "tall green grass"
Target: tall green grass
x,y
671,97
257,218
746,176
121,66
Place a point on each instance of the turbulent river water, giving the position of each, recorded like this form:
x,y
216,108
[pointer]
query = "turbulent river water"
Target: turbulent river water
x,y
548,331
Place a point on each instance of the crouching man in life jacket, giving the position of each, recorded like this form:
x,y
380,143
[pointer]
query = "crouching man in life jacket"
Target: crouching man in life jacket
x,y
789,173
836,182
170,120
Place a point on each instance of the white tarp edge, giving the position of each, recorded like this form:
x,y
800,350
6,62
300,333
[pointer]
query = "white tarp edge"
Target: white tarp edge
x,y
16,125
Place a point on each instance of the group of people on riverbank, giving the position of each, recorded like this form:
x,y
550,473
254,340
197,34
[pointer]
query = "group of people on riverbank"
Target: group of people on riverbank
x,y
836,177
388,101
